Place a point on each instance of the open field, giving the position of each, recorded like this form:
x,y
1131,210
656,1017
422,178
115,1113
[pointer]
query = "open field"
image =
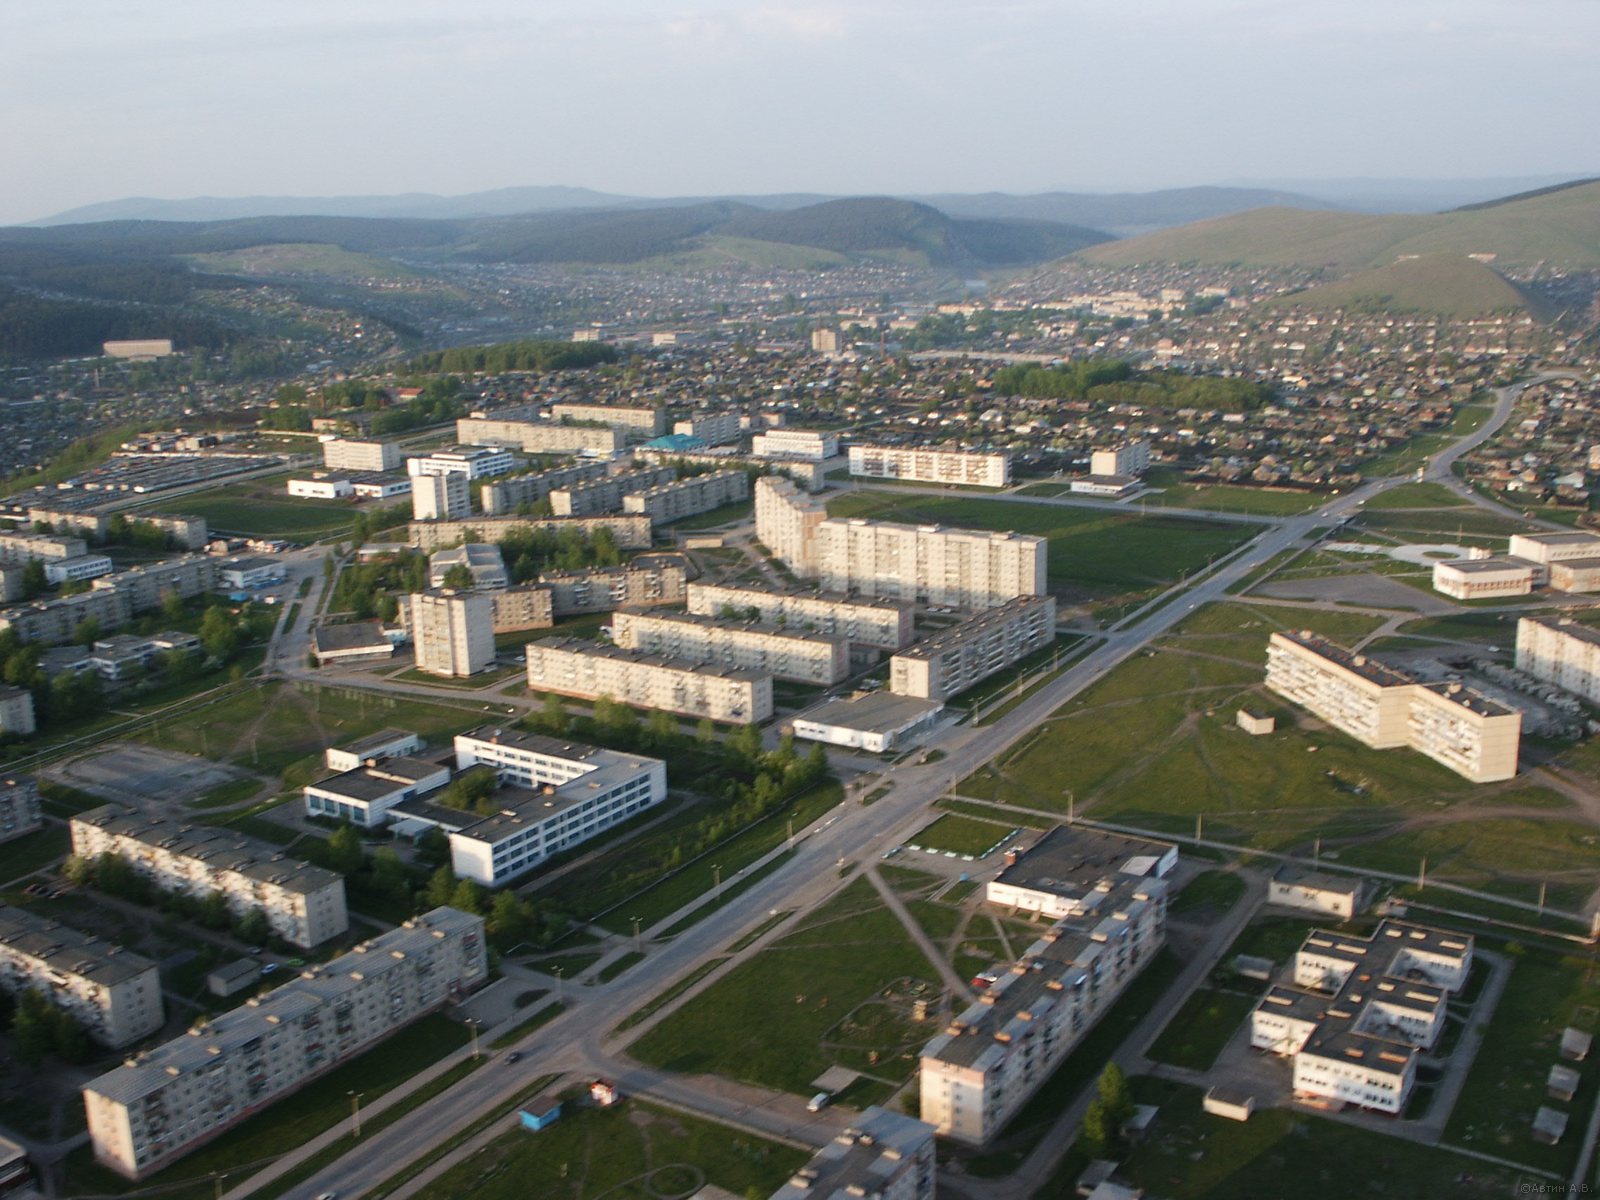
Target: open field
x,y
1099,552
632,1152
1415,495
1201,1028
835,991
969,836
1227,497
262,507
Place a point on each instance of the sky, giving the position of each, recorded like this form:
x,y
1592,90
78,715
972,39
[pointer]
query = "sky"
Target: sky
x,y
103,99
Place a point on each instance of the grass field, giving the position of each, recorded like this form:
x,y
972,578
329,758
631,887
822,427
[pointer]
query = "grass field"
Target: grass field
x,y
1101,552
1227,497
1210,893
1415,495
32,852
631,1152
970,836
836,990
1201,1028
261,507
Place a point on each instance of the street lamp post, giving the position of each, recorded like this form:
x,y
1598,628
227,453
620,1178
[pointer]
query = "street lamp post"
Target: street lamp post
x,y
716,886
636,945
561,994
355,1114
472,1024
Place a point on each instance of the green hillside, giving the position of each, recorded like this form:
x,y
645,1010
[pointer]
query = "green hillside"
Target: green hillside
x,y
1559,226
1447,284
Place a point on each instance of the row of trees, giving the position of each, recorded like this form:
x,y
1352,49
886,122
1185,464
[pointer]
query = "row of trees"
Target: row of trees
x,y
116,876
38,1029
516,356
1112,381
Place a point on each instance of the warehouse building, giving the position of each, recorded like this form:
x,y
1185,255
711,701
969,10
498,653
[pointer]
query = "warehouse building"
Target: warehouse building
x,y
878,722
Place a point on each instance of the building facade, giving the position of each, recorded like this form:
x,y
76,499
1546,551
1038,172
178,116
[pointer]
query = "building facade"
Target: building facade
x,y
591,670
884,624
368,792
949,662
540,437
795,654
502,497
964,468
883,1155
638,424
16,712
1130,458
19,807
1561,651
787,519
158,1107
1477,578
714,429
515,609
474,462
649,579
813,444
303,904
630,531
689,497
605,495
963,568
342,454
453,632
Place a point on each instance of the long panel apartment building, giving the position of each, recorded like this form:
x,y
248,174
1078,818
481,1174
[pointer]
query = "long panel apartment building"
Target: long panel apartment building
x,y
689,497
165,1103
113,993
795,654
949,662
964,568
502,497
605,495
649,579
631,530
591,670
1385,708
1362,1011
540,437
637,423
992,1057
883,1155
966,468
113,600
885,624
304,905
787,519
1559,650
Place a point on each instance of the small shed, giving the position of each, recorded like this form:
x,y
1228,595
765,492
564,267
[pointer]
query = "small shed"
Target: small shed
x,y
233,977
1252,967
1233,1103
1548,1125
1255,725
604,1093
1562,1082
1136,1126
1575,1044
540,1114
1096,1173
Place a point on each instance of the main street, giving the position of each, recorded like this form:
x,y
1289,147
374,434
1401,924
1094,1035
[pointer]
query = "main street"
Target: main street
x,y
850,835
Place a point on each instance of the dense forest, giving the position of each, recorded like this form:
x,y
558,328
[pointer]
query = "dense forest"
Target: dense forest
x,y
1113,381
516,356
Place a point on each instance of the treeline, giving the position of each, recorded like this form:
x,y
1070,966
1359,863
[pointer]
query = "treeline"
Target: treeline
x,y
527,552
516,356
116,876
295,406
1112,381
38,1028
35,328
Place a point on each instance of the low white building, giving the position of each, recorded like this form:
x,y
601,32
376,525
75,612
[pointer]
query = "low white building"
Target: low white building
x,y
483,562
1317,892
474,462
367,793
386,743
878,722
74,570
1478,578
812,444
322,487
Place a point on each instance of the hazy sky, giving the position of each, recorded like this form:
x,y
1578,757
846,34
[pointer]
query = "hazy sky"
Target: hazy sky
x,y
110,98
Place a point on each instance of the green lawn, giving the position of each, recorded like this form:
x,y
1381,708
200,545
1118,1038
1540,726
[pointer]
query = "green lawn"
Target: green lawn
x,y
833,991
301,520
1228,497
631,1152
960,835
1210,893
33,851
1415,495
1201,1028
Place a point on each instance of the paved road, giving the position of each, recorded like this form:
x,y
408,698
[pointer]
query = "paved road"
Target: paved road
x,y
852,834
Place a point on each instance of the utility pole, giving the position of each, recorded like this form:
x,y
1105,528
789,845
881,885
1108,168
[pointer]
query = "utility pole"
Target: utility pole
x,y
716,886
472,1024
636,946
1422,873
355,1114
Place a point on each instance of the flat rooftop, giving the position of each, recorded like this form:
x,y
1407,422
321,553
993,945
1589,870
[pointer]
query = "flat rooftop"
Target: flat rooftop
x,y
618,654
1369,669
1567,627
1487,566
374,742
1561,539
706,621
1071,861
366,785
816,595
358,635
68,951
976,626
876,712
862,1160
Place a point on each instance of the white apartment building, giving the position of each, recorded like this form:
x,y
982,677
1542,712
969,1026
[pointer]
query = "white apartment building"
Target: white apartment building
x,y
590,670
503,496
16,711
159,1106
963,568
344,454
113,993
367,793
1384,708
966,468
787,520
631,531
714,429
816,658
813,444
540,437
992,1057
304,905
1476,578
472,461
566,794
483,562
884,624
19,807
638,424
1561,651
1361,1011
810,475
605,495
1130,458
322,487
441,498
649,579
689,497
947,663
453,632
884,1155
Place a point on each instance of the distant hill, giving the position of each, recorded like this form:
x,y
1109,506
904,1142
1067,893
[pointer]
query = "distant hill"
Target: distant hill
x,y
1445,284
1560,225
1123,213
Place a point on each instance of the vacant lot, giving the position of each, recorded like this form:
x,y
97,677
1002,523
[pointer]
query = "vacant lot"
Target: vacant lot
x,y
968,836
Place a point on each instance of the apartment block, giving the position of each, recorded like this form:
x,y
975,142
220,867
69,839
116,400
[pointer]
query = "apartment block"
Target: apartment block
x,y
638,424
474,462
342,454
689,497
592,670
963,568
16,547
19,807
605,495
16,712
1385,708
813,444
51,622
649,579
515,609
304,905
794,654
161,1105
882,1154
1559,650
147,586
368,792
184,532
966,468
561,794
113,993
884,624
714,429
1477,578
453,632
1361,1012
1130,458
810,475
540,437
991,1058
632,532
787,520
947,663
502,497
440,498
